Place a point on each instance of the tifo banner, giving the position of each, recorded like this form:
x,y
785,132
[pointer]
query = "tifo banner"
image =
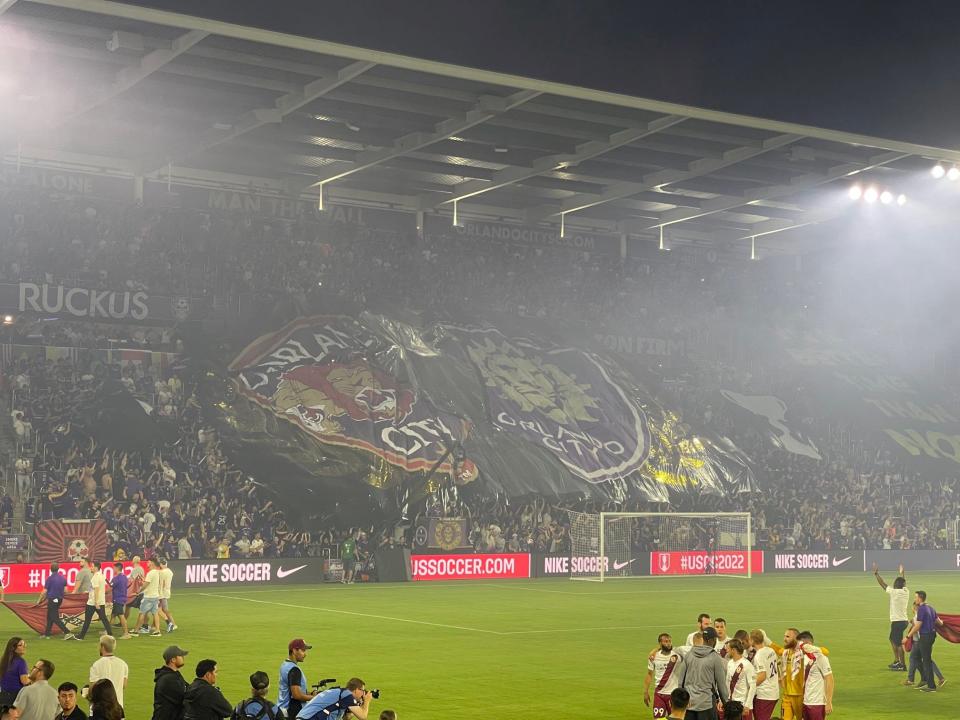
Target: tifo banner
x,y
768,414
442,534
562,399
94,304
865,392
322,374
70,540
913,560
470,567
262,572
524,414
702,562
838,561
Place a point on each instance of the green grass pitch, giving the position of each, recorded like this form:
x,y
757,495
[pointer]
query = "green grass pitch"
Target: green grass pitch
x,y
538,648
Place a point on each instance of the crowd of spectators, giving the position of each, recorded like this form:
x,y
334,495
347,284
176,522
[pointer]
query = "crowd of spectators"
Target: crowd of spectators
x,y
185,498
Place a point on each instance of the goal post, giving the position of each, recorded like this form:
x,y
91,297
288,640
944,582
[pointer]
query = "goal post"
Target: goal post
x,y
610,545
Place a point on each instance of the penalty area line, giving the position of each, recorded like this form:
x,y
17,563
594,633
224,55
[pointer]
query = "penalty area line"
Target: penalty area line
x,y
358,614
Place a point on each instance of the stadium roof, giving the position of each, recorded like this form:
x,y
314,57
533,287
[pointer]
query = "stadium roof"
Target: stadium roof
x,y
139,92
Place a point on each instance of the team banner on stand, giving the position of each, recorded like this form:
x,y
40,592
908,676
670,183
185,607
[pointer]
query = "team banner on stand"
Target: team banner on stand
x,y
441,534
70,540
96,304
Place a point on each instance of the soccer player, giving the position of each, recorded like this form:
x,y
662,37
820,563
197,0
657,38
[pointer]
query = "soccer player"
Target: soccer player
x,y
720,625
819,683
792,669
741,677
662,674
703,622
899,598
166,581
768,677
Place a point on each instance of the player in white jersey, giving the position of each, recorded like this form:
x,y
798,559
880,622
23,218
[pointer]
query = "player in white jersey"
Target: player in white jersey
x,y
662,673
741,677
766,664
703,622
818,685
166,581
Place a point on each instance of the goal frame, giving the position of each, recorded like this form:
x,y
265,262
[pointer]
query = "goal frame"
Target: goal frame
x,y
603,516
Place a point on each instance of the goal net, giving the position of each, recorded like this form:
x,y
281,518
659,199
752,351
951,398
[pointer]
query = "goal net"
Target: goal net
x,y
617,545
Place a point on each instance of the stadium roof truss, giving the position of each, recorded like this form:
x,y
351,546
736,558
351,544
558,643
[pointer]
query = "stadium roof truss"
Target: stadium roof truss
x,y
144,93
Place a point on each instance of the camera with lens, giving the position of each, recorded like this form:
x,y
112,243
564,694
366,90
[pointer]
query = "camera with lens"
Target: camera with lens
x,y
319,687
375,693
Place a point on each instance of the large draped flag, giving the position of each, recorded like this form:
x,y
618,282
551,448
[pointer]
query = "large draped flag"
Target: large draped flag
x,y
35,616
950,630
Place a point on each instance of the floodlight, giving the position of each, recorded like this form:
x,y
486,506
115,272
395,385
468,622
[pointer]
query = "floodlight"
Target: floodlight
x,y
871,194
901,199
938,171
855,192
886,197
953,173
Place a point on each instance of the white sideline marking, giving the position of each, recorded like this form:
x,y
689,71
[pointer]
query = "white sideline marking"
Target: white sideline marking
x,y
360,614
503,632
654,627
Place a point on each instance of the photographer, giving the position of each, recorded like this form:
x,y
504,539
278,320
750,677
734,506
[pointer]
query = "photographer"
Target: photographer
x,y
293,693
336,702
257,706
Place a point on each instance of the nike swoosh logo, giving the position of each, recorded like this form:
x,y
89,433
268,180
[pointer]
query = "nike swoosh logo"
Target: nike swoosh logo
x,y
620,566
281,573
838,563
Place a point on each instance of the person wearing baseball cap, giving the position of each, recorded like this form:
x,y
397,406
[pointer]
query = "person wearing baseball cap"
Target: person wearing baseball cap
x,y
169,685
257,705
293,683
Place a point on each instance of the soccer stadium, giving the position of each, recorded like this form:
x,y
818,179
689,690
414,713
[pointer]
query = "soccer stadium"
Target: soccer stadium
x,y
343,383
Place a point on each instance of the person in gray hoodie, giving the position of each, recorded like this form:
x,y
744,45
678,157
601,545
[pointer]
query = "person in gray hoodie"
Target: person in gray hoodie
x,y
704,676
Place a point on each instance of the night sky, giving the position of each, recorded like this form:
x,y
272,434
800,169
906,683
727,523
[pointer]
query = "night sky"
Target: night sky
x,y
879,67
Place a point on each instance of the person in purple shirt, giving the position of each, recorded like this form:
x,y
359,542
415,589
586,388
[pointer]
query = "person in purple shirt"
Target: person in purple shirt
x,y
120,587
925,628
53,590
13,671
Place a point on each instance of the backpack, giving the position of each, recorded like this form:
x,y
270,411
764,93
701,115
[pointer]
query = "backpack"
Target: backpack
x,y
266,710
